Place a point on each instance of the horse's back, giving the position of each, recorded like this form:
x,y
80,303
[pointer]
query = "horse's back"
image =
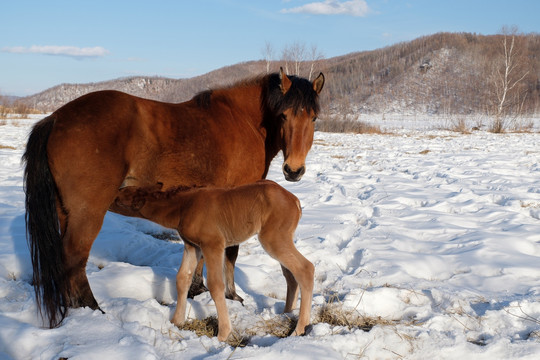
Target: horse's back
x,y
109,139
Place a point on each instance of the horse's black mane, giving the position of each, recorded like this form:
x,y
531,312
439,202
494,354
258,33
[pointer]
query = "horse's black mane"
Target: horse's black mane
x,y
300,95
203,99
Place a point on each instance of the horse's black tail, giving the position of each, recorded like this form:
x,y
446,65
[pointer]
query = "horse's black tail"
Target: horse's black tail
x,y
42,226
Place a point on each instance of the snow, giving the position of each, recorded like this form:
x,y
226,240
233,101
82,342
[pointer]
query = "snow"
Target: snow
x,y
434,234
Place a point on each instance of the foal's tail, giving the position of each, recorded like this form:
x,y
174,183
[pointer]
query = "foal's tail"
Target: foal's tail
x,y
42,226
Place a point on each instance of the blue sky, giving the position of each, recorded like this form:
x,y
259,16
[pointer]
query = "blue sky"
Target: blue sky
x,y
46,43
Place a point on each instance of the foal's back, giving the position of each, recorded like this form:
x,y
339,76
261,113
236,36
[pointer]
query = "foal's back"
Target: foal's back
x,y
238,213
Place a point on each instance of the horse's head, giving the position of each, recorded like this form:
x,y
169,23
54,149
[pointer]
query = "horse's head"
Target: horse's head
x,y
297,108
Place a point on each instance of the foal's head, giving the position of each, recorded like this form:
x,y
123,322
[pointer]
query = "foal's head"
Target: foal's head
x,y
294,102
134,198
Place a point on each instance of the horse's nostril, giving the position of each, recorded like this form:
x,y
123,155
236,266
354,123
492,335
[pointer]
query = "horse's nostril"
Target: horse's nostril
x,y
287,169
292,175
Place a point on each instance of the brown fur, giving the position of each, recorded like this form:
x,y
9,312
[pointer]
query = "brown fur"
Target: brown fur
x,y
79,157
212,219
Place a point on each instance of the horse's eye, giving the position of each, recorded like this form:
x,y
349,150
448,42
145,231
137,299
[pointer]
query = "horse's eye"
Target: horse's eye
x,y
314,118
283,117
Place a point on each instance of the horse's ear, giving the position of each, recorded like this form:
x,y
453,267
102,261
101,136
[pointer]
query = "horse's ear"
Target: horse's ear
x,y
285,82
318,83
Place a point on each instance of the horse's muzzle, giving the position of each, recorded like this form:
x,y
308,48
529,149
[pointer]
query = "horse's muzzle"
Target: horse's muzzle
x,y
293,175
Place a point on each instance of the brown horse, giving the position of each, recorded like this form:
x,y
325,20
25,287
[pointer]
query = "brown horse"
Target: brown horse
x,y
211,219
79,157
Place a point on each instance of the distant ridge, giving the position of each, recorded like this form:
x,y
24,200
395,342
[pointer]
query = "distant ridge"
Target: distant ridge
x,y
442,73
155,88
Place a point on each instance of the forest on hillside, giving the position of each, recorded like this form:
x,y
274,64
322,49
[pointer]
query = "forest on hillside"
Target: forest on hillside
x,y
444,73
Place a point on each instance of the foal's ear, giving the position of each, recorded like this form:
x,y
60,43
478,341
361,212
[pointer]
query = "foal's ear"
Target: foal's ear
x,y
318,83
286,83
137,203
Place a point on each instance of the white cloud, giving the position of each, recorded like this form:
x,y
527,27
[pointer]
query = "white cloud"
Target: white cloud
x,y
332,7
71,51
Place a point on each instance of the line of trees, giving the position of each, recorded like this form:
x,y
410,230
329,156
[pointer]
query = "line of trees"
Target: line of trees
x,y
19,108
446,73
297,59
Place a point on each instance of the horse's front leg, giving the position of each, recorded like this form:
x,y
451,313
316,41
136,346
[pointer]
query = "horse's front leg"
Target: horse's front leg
x,y
231,253
197,285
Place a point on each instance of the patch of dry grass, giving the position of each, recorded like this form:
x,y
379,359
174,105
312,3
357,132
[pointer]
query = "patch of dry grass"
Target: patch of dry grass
x,y
279,326
333,313
459,124
209,327
205,327
346,126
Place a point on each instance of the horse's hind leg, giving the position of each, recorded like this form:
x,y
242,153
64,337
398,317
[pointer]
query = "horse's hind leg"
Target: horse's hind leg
x,y
81,231
85,206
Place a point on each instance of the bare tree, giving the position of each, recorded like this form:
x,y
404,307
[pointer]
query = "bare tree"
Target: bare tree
x,y
4,109
508,77
294,55
314,56
286,57
298,53
268,55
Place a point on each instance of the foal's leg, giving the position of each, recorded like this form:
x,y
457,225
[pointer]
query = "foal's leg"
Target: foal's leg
x,y
197,286
192,255
214,255
303,272
286,253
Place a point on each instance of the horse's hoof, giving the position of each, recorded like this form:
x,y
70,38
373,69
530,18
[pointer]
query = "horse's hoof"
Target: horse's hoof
x,y
236,297
196,289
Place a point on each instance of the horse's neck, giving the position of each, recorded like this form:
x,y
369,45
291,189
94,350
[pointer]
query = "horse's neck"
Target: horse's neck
x,y
248,98
259,118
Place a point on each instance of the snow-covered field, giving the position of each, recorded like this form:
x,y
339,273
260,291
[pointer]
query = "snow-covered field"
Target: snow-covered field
x,y
432,235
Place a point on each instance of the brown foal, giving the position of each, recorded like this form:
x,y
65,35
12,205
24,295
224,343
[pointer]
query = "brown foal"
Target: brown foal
x,y
212,219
